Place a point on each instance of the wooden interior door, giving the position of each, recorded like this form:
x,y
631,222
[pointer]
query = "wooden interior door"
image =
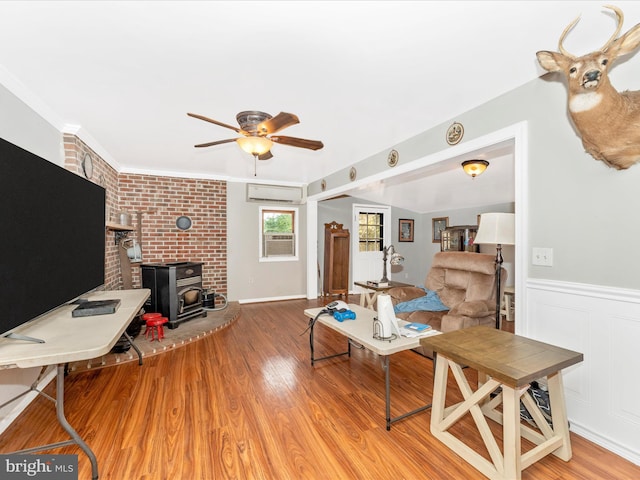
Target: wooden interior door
x,y
336,259
366,246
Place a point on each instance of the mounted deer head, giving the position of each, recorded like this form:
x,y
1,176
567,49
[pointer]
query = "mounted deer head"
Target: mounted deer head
x,y
608,121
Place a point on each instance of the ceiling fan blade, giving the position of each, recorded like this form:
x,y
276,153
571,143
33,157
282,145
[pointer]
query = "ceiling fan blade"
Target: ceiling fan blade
x,y
277,123
265,156
217,142
298,142
215,122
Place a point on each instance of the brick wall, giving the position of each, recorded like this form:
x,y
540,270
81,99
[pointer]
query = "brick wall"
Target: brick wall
x,y
161,200
104,175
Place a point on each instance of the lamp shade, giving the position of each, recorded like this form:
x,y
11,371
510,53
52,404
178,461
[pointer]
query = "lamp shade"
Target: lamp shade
x,y
396,259
255,145
474,167
496,228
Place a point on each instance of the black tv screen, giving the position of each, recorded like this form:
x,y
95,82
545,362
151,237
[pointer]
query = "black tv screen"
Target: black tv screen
x,y
52,245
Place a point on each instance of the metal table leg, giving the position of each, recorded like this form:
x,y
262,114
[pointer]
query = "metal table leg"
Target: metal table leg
x,y
314,359
135,347
387,396
76,439
387,378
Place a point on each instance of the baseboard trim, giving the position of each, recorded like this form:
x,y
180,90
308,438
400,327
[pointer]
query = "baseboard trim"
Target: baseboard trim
x,y
271,299
605,442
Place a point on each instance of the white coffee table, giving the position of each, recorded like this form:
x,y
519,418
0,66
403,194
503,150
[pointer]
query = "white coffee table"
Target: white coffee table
x,y
360,331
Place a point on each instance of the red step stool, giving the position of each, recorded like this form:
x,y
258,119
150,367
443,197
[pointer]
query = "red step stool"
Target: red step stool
x,y
149,316
154,322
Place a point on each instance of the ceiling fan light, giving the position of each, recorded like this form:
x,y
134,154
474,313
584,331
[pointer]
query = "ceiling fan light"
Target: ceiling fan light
x,y
255,145
474,167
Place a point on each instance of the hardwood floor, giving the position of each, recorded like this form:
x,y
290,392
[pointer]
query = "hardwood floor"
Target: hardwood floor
x,y
245,403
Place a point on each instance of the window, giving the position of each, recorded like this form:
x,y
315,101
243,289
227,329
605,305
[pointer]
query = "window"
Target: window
x,y
278,221
278,234
370,232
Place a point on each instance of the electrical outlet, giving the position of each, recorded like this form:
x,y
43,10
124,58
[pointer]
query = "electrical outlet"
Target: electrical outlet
x,y
543,256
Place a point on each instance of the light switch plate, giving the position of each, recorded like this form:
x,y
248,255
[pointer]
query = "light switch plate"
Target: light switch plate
x,y
543,256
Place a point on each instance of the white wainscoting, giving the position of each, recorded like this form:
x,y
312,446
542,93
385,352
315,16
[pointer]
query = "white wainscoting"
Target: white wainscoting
x,y
603,323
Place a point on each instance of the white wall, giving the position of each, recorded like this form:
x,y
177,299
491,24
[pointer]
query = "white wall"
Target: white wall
x,y
248,279
20,125
603,323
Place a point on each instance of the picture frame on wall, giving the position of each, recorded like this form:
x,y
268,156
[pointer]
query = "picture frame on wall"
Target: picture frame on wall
x,y
405,230
438,225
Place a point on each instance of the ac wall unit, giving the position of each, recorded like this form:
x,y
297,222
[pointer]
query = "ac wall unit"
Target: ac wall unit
x,y
274,193
279,244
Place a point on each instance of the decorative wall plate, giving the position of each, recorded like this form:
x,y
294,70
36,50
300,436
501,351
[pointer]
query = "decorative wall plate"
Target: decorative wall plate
x,y
352,173
183,222
392,158
87,165
323,185
455,133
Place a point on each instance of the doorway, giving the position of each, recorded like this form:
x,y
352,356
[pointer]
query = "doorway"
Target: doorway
x,y
517,136
371,233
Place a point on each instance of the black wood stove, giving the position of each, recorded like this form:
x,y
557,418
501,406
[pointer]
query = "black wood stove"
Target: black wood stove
x,y
176,290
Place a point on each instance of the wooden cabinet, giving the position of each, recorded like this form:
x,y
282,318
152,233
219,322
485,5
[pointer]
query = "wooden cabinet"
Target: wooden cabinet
x,y
336,259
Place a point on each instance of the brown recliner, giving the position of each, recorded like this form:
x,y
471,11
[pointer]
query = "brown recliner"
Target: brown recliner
x,y
466,284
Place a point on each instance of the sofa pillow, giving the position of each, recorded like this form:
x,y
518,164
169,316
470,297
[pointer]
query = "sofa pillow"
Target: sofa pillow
x,y
429,302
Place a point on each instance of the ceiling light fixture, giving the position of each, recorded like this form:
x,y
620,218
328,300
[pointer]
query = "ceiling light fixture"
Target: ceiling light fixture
x,y
474,167
255,145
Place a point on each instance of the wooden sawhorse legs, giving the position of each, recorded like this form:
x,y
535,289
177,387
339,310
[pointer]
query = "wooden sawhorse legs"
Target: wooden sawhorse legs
x,y
506,463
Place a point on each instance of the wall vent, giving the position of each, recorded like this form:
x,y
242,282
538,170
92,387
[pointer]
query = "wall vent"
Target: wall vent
x,y
274,193
279,244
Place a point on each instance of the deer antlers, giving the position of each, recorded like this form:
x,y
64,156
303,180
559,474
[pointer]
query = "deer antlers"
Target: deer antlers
x,y
608,121
620,21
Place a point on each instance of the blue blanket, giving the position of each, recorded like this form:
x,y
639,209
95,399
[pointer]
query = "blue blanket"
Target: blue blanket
x,y
430,303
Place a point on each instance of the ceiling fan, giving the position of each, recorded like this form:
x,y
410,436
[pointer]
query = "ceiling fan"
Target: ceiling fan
x,y
257,129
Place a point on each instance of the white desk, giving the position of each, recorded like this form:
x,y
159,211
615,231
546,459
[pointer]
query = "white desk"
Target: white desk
x,y
68,339
360,331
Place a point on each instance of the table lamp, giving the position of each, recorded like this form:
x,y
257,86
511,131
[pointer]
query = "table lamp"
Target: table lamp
x,y
396,259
